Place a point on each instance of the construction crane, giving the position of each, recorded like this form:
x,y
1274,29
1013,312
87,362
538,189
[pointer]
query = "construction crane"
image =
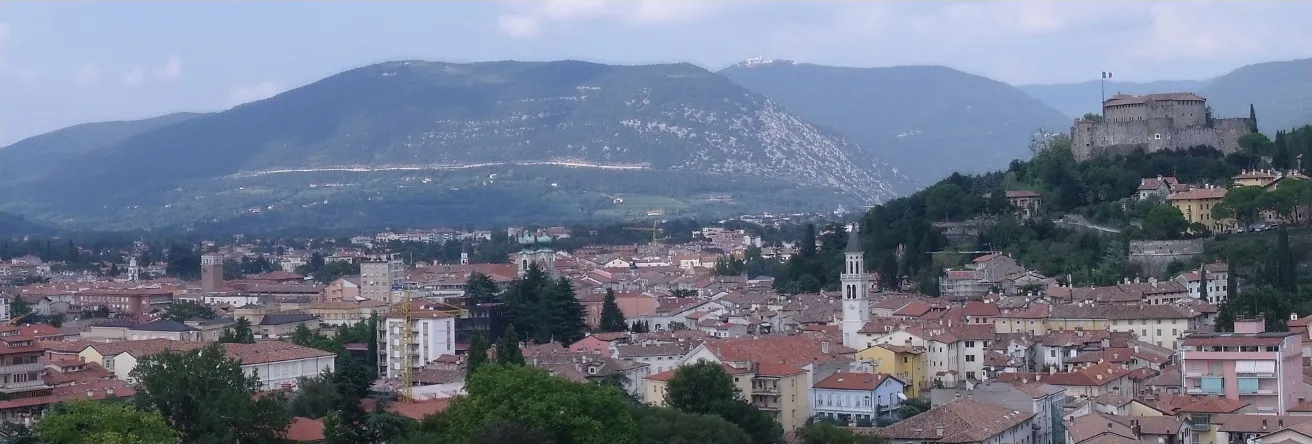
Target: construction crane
x,y
19,320
407,339
655,230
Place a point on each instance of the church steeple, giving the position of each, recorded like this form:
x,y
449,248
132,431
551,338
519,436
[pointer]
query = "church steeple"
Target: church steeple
x,y
856,309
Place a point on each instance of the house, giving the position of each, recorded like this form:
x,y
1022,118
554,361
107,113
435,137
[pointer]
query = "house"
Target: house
x,y
1026,202
1196,205
24,409
305,430
1088,382
1044,401
1102,428
345,288
20,366
963,420
858,397
278,364
345,312
1160,186
904,362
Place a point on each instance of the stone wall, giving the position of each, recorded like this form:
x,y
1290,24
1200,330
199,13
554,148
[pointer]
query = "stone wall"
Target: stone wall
x,y
1090,140
1155,256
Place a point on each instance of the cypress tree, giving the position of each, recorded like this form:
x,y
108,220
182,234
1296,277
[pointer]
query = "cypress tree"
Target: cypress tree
x,y
1202,285
477,352
1252,118
566,313
508,351
612,319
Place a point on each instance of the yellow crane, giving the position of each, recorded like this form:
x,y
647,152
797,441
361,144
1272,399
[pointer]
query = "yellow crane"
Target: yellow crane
x,y
19,320
655,230
407,339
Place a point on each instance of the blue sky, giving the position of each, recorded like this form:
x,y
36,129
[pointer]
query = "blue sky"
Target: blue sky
x,y
63,63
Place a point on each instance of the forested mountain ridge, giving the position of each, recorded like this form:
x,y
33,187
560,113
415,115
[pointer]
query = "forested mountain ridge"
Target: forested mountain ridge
x,y
928,121
428,130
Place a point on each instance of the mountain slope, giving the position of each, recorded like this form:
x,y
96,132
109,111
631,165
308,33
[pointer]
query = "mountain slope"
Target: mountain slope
x,y
32,157
1281,92
928,121
380,127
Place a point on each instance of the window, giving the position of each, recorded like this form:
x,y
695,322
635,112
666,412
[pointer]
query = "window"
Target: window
x,y
970,344
970,358
1052,353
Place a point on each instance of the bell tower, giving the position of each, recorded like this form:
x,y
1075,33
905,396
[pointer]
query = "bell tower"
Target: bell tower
x,y
856,309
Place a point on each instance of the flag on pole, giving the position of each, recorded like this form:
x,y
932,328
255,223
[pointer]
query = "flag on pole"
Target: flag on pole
x,y
1106,75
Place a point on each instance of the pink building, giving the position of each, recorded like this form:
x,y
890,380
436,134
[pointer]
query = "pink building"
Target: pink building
x,y
1250,365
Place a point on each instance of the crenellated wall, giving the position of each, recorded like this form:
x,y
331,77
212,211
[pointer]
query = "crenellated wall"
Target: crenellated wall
x,y
1155,125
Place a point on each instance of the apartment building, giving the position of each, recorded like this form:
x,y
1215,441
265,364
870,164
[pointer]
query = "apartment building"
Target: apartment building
x,y
432,335
904,362
781,390
20,366
380,277
963,420
1264,369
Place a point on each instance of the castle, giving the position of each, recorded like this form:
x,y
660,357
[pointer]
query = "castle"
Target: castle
x,y
1155,122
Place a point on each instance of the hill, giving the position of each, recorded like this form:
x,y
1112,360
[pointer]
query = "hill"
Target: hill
x,y
33,157
1281,92
461,143
927,121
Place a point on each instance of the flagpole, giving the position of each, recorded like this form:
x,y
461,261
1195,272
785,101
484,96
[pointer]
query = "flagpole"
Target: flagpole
x,y
1102,87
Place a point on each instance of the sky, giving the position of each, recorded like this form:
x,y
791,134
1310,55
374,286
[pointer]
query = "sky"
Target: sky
x,y
64,63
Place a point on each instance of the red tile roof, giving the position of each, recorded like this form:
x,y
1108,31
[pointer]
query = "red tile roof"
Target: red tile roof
x,y
305,430
851,381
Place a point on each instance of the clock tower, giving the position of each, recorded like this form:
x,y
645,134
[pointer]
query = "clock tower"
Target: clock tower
x,y
856,309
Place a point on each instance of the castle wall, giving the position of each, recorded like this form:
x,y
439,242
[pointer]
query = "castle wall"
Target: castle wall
x,y
1166,125
1131,112
1155,256
1229,131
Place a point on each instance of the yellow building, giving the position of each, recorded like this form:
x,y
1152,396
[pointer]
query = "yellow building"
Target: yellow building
x,y
782,390
1196,205
1255,178
903,362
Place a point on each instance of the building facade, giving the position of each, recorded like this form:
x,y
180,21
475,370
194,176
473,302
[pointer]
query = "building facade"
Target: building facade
x,y
1155,122
381,277
858,397
1250,365
856,309
432,335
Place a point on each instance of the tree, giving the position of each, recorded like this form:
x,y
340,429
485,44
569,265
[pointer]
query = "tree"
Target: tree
x,y
1164,222
477,353
101,422
508,351
16,433
302,336
1285,263
241,332
315,396
480,288
207,397
658,425
1202,283
338,430
612,319
19,307
698,387
1252,119
183,310
565,313
1243,204
563,411
821,432
913,407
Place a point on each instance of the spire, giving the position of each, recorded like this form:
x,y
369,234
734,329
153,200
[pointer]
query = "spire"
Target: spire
x,y
853,240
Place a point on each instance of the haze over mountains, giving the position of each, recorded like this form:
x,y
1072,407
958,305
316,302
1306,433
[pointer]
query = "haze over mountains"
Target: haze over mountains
x,y
1281,92
445,143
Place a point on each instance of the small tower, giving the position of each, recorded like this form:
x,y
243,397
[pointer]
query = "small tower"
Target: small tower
x,y
133,269
464,256
856,309
211,272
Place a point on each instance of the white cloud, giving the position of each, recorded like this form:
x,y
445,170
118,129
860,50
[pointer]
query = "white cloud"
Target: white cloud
x,y
88,74
134,76
518,26
528,18
251,93
172,69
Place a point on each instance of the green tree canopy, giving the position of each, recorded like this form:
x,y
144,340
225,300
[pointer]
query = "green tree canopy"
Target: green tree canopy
x,y
564,411
699,387
658,425
89,422
477,356
508,348
183,310
1164,222
207,397
480,288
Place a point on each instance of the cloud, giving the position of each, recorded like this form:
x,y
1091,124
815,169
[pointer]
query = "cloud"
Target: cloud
x,y
172,69
251,93
135,76
528,18
88,74
518,26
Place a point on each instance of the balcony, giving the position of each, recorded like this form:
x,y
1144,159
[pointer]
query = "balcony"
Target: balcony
x,y
21,368
13,387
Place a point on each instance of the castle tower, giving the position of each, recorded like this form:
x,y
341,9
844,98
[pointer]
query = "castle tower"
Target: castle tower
x,y
133,269
856,309
211,272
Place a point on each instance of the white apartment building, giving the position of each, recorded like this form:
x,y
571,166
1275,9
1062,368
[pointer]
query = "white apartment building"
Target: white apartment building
x,y
433,335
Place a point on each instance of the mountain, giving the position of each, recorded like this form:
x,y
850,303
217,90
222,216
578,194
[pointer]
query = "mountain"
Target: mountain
x,y
13,226
927,121
462,143
1281,93
32,157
